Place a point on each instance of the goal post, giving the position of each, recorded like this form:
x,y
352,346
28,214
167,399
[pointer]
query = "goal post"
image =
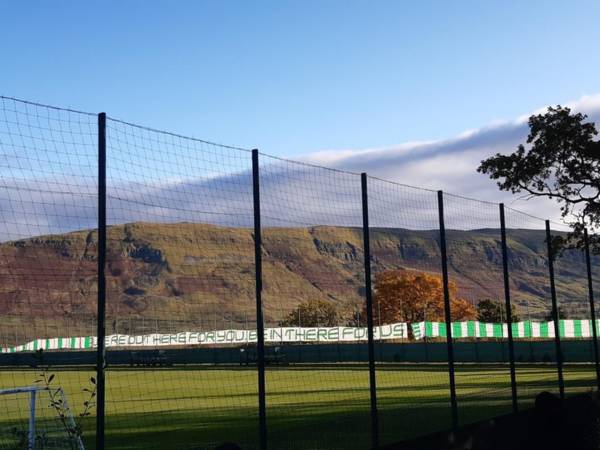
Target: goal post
x,y
29,419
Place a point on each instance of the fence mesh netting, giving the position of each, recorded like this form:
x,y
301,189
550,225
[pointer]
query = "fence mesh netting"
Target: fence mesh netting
x,y
312,238
413,399
475,272
574,314
531,295
180,275
182,350
48,269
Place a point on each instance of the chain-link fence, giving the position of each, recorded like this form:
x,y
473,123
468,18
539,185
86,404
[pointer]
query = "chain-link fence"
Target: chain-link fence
x,y
177,293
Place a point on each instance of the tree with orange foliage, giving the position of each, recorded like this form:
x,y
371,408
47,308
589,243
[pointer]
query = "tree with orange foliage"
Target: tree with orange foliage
x,y
410,296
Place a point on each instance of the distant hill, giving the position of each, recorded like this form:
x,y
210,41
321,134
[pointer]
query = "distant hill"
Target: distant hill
x,y
172,276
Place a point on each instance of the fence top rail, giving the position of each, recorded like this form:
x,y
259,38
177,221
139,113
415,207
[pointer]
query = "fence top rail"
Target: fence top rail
x,y
531,216
470,199
395,183
309,164
42,105
561,226
180,136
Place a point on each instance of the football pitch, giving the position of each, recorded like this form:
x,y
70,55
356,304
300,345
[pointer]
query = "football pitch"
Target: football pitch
x,y
308,406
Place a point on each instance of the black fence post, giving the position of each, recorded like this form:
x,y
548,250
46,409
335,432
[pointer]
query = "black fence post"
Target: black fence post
x,y
447,312
511,347
555,318
588,263
101,350
260,328
369,307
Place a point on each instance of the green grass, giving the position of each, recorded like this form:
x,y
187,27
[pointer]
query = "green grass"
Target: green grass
x,y
308,406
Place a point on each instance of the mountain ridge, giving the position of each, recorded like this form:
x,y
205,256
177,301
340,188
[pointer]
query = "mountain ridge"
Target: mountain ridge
x,y
203,275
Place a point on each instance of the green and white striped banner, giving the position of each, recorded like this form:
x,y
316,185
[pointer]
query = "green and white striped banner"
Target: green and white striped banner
x,y
53,344
568,328
193,338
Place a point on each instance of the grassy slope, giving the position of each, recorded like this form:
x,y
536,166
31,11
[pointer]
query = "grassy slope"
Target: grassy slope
x,y
308,407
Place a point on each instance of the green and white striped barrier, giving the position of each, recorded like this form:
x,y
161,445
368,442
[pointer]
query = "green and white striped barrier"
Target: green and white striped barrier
x,y
53,344
568,328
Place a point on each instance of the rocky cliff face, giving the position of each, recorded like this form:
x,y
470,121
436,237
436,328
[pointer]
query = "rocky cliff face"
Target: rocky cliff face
x,y
170,276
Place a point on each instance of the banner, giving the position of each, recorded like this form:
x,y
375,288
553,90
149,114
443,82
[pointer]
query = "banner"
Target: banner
x,y
568,328
194,338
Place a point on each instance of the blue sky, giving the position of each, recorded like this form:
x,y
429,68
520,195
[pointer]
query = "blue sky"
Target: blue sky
x,y
296,77
414,92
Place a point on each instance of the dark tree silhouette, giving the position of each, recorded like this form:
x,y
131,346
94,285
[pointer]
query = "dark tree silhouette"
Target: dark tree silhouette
x,y
561,161
562,314
494,311
313,313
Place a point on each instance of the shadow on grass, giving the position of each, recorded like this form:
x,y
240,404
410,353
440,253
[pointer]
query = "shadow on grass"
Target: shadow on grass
x,y
332,416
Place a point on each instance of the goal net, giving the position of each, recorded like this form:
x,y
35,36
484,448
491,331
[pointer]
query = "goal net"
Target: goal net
x,y
36,418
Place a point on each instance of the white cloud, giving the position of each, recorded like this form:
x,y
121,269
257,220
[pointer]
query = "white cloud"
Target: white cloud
x,y
451,164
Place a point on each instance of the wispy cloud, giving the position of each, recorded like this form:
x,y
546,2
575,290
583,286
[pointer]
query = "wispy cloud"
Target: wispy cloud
x,y
451,164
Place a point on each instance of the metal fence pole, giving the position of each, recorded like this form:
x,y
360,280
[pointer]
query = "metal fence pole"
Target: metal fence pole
x,y
101,351
369,307
447,313
588,263
260,329
511,346
555,318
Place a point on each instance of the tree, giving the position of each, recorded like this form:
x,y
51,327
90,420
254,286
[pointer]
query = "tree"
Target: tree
x,y
494,311
312,313
561,162
410,296
562,314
